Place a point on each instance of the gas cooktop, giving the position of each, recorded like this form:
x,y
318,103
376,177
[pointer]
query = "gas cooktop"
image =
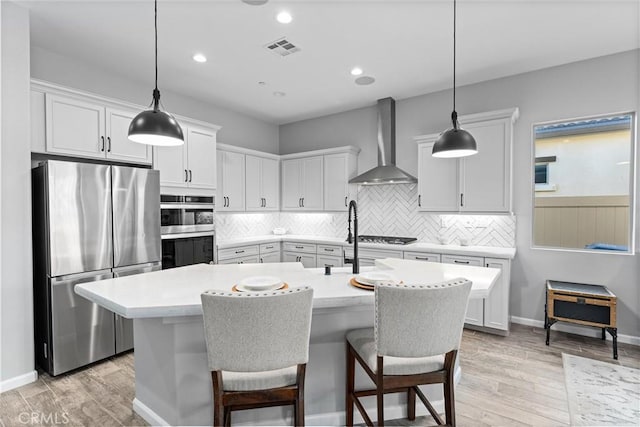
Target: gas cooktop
x,y
390,240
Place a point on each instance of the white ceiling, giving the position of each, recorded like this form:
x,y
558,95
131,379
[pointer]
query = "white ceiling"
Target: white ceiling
x,y
405,45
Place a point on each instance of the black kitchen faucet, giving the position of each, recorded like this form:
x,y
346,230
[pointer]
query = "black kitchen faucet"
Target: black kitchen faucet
x,y
354,239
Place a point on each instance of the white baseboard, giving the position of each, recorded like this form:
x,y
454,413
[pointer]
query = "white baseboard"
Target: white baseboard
x,y
325,419
586,331
18,381
148,414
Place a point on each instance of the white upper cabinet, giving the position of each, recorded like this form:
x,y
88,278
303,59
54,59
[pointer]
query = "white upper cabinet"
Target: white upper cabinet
x,y
119,146
201,149
302,183
338,170
479,183
231,181
437,180
318,180
84,128
192,165
262,183
74,127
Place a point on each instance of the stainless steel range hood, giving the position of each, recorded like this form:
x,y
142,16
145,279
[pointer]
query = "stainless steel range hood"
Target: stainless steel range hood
x,y
386,172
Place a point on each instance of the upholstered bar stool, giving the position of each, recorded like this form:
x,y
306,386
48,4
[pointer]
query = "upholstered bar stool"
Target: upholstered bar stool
x,y
415,341
258,348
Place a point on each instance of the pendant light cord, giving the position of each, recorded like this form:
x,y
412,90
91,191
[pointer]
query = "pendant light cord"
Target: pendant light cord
x,y
156,92
454,114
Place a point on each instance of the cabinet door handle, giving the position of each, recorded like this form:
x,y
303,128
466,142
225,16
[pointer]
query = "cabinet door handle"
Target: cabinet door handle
x,y
108,144
460,262
240,252
190,175
303,202
186,176
300,202
461,199
261,260
419,200
345,201
102,143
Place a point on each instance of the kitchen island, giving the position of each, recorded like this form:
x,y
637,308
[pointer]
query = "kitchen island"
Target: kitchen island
x,y
173,384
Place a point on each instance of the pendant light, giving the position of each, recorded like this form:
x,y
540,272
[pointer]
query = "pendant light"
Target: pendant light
x,y
154,126
454,142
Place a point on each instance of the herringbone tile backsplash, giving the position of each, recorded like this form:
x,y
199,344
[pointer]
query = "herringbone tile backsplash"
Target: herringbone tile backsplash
x,y
389,210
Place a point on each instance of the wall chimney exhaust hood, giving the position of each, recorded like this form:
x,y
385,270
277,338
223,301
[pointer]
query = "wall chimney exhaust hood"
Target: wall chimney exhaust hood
x,y
386,172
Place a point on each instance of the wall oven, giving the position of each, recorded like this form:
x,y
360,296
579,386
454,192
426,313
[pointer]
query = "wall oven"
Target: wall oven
x,y
188,230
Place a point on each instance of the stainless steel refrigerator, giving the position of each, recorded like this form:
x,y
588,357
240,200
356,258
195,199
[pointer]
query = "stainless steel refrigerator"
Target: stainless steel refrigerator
x,y
90,222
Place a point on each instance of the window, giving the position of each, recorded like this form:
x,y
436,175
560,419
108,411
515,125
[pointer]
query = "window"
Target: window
x,y
583,180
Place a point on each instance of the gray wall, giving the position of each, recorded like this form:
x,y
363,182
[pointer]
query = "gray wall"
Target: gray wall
x,y
601,85
237,129
16,297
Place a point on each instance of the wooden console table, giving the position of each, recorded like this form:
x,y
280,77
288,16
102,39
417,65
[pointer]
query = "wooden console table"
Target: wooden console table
x,y
590,305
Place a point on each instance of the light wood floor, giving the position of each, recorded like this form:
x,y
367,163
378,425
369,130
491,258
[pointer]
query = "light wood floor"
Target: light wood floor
x,y
506,381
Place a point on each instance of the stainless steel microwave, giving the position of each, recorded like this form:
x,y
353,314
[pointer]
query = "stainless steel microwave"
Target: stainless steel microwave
x,y
186,214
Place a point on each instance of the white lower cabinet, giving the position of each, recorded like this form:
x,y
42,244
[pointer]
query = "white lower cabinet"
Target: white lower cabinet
x,y
239,255
475,307
496,307
329,261
270,252
307,260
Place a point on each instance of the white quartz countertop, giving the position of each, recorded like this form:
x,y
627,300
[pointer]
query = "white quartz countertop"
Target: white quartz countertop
x,y
176,292
484,251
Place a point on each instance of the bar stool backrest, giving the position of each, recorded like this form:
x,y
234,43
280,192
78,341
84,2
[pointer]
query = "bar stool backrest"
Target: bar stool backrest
x,y
420,320
252,332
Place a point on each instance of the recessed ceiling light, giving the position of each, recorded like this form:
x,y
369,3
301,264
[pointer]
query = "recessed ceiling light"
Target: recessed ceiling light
x,y
356,71
254,2
284,17
279,94
365,80
198,57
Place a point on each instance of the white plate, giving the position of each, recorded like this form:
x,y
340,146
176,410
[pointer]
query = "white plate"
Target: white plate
x,y
375,277
243,288
260,283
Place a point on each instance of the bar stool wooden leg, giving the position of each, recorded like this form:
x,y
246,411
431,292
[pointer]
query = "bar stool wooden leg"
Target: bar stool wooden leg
x,y
299,404
218,405
411,404
449,395
380,392
351,367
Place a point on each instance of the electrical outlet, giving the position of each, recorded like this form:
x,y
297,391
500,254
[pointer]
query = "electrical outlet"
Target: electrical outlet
x,y
468,222
482,221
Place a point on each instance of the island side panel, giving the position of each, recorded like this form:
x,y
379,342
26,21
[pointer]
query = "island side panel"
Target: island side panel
x,y
173,381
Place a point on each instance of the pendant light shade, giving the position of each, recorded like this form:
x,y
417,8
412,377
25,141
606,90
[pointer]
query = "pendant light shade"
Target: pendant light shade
x,y
154,126
454,142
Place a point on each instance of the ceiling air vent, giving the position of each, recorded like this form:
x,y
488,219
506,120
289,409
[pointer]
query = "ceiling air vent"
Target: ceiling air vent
x,y
282,47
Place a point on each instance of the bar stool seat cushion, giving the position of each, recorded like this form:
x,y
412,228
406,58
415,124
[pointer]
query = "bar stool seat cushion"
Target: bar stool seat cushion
x,y
364,343
249,381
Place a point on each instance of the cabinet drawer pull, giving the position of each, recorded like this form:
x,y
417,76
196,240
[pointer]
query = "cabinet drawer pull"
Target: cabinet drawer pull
x,y
102,143
328,250
268,247
240,252
422,258
299,247
460,262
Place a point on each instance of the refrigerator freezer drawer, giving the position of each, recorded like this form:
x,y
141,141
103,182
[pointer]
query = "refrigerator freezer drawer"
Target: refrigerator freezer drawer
x,y
82,332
